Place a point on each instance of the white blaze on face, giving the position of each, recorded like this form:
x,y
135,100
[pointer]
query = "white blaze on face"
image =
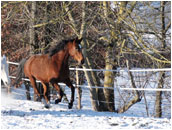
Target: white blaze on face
x,y
4,71
80,46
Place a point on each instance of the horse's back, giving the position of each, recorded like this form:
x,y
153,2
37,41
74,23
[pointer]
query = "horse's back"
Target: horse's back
x,y
37,66
45,68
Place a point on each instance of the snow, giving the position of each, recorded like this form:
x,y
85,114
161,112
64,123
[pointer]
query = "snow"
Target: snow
x,y
19,113
146,80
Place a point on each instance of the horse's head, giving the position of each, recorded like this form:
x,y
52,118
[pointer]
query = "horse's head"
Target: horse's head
x,y
75,51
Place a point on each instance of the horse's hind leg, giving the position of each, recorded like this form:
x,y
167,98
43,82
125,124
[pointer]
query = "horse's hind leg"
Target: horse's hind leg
x,y
27,87
48,91
33,83
45,93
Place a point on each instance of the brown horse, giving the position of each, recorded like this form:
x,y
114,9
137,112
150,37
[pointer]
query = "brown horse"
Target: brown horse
x,y
52,68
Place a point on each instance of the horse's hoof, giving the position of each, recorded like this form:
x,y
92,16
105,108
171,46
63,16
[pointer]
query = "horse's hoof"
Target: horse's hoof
x,y
70,105
57,101
47,106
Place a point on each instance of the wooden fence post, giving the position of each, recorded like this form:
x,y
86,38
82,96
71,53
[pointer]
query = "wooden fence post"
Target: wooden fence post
x,y
78,89
9,85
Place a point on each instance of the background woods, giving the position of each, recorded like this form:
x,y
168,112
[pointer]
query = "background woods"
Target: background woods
x,y
115,35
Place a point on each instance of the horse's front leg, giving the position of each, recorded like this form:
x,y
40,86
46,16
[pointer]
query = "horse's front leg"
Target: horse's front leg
x,y
69,84
57,87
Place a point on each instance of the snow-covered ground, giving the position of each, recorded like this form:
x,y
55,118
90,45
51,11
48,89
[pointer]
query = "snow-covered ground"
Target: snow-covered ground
x,y
17,112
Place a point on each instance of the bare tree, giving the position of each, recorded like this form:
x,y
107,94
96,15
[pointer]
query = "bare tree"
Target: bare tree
x,y
158,101
112,32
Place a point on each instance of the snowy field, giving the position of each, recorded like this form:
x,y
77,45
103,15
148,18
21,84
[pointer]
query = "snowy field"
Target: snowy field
x,y
18,113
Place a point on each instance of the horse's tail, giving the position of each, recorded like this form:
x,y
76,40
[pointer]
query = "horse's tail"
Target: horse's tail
x,y
20,72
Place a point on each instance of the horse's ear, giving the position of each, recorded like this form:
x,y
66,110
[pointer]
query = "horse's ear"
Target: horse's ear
x,y
81,39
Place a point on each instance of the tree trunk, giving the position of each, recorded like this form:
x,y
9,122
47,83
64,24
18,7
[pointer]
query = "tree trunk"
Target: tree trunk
x,y
90,76
32,36
47,28
96,94
158,101
93,92
34,41
109,80
109,65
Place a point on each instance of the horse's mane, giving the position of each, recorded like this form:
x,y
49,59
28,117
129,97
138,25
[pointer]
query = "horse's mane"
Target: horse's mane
x,y
59,46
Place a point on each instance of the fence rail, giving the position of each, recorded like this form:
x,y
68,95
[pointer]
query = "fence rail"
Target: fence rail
x,y
119,70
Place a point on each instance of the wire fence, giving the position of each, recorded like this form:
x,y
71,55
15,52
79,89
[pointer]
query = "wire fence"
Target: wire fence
x,y
145,80
119,70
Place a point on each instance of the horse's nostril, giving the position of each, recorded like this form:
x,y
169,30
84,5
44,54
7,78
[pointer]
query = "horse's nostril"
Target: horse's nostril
x,y
82,62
